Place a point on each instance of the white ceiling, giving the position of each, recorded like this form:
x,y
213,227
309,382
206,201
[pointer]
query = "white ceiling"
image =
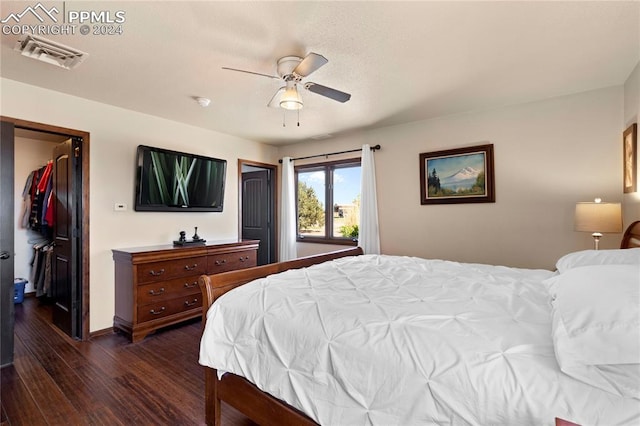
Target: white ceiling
x,y
401,61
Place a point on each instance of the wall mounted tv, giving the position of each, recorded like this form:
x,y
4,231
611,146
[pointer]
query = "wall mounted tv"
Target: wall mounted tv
x,y
177,181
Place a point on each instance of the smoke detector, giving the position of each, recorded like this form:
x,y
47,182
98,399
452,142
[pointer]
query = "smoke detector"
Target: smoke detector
x,y
203,102
51,52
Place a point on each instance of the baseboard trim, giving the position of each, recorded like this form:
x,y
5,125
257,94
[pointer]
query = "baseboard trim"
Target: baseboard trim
x,y
102,332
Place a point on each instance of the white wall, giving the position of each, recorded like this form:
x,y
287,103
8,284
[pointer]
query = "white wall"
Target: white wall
x,y
632,115
29,154
115,134
548,155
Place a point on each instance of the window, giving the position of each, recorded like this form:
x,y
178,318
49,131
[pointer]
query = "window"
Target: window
x,y
328,201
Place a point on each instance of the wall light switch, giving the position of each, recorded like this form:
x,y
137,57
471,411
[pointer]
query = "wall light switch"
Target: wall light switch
x,y
120,207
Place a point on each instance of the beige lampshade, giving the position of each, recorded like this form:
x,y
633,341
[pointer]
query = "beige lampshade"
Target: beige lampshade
x,y
598,217
291,99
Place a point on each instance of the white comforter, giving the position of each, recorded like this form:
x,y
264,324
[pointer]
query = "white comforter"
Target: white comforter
x,y
391,340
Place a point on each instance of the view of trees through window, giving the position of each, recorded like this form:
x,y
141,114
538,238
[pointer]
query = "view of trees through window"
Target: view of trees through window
x,y
329,200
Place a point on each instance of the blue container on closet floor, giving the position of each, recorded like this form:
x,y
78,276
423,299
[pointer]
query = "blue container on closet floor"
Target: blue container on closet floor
x,y
18,295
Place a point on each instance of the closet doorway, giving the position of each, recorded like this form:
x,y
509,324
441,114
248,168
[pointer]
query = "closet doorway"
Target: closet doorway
x,y
68,150
257,185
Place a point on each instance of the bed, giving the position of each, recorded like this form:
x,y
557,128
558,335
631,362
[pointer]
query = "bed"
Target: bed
x,y
346,338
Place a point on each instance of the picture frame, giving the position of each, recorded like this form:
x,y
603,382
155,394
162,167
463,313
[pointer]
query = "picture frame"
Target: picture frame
x,y
630,159
461,175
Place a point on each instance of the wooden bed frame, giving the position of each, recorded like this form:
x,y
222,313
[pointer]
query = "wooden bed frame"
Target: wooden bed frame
x,y
238,392
631,237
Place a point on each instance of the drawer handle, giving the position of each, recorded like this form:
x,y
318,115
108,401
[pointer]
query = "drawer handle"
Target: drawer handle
x,y
156,273
154,312
191,268
244,259
192,285
187,303
156,293
221,262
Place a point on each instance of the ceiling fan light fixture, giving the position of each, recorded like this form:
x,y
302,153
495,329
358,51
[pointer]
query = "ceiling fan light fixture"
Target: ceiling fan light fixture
x,y
292,70
291,99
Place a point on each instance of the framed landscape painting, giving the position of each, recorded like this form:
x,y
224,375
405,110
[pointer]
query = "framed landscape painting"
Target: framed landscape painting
x,y
462,175
629,166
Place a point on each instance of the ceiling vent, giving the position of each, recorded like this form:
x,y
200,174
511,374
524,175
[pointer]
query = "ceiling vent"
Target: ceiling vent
x,y
50,52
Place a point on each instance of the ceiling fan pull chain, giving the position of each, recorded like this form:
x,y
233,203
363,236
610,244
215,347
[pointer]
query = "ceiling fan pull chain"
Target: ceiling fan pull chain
x,y
284,119
298,118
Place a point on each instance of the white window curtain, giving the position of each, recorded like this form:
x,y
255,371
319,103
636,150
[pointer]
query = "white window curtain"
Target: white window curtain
x,y
288,212
368,236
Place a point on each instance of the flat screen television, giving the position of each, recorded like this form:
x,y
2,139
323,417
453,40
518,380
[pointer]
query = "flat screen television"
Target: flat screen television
x,y
177,181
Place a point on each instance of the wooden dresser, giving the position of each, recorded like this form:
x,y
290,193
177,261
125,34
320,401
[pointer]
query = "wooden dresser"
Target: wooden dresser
x,y
157,286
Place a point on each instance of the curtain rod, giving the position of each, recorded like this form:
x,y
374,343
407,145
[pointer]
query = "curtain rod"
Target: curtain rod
x,y
373,148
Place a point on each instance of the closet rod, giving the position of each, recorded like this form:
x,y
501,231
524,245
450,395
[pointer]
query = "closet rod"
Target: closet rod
x,y
373,148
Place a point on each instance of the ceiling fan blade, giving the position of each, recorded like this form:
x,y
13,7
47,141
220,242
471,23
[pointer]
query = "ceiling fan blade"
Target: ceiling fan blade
x,y
334,94
251,72
309,64
275,100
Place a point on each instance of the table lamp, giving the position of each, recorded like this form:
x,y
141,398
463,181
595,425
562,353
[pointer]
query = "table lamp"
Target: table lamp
x,y
598,217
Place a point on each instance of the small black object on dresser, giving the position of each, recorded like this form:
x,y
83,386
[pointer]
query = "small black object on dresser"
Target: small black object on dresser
x,y
195,240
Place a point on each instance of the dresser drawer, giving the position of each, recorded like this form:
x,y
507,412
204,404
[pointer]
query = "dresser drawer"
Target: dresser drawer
x,y
164,290
160,271
168,307
231,261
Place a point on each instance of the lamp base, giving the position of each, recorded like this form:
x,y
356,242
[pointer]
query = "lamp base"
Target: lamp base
x,y
596,239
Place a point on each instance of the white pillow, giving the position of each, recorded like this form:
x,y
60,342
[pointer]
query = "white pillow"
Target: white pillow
x,y
598,257
596,326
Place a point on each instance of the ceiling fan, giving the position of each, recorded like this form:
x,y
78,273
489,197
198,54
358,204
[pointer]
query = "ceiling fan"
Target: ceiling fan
x,y
292,69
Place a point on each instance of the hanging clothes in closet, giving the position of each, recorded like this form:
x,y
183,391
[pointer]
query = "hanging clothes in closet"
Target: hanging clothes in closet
x,y
37,201
37,215
41,268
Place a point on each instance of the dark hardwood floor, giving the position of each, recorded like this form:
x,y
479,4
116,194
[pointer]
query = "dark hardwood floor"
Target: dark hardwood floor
x,y
105,381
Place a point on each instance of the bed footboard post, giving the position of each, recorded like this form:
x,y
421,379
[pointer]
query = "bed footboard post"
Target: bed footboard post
x,y
207,296
212,403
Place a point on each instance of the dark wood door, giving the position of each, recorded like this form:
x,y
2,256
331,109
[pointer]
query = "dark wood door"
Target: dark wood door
x,y
66,285
6,243
258,213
